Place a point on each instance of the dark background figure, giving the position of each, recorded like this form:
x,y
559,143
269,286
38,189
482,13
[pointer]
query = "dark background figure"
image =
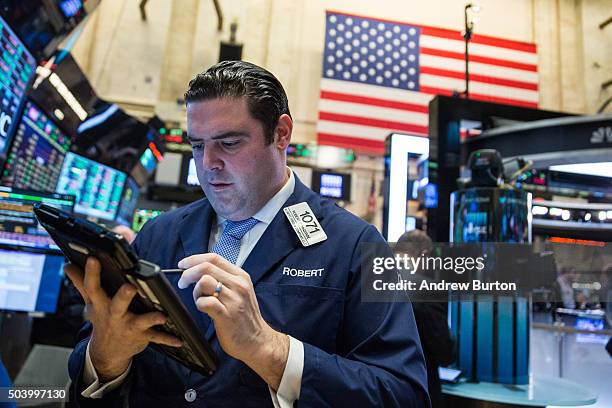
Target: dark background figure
x,y
431,319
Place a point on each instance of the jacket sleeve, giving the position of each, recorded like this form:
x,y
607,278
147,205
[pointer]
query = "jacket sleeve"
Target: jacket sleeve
x,y
76,365
379,360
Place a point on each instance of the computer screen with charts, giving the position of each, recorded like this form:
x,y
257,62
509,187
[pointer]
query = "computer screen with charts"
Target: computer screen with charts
x,y
97,187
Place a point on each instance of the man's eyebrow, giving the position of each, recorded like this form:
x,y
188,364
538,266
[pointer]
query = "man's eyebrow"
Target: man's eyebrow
x,y
223,135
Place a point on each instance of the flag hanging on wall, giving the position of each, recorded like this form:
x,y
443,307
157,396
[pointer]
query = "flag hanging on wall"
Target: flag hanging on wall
x,y
379,76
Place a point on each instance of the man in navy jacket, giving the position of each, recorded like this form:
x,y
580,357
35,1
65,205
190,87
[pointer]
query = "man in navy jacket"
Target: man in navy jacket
x,y
287,321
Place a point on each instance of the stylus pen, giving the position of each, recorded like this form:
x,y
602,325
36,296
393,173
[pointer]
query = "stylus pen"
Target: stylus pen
x,y
172,270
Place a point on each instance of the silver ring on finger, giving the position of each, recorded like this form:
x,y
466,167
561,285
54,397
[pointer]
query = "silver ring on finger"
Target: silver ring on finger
x,y
218,289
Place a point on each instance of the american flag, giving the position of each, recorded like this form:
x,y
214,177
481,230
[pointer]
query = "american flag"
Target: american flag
x,y
379,76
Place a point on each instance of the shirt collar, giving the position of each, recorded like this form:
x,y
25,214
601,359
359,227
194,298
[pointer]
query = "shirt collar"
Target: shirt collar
x,y
267,213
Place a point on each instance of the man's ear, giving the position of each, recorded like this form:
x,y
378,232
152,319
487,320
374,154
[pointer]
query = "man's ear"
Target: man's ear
x,y
282,133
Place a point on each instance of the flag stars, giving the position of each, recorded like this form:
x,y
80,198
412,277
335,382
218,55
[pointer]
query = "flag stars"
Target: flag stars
x,y
371,52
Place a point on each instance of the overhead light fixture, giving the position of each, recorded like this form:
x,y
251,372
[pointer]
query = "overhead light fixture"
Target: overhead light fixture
x,y
603,169
602,216
63,90
565,215
587,217
556,212
539,210
59,114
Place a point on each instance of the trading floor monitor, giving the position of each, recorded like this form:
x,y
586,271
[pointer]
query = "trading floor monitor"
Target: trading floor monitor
x,y
37,152
17,67
30,282
97,187
18,226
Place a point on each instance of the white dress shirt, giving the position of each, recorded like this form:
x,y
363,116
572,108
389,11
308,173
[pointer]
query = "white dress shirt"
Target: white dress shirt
x,y
290,385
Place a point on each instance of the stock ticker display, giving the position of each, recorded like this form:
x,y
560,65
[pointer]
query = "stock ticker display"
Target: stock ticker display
x,y
18,225
35,159
97,187
17,66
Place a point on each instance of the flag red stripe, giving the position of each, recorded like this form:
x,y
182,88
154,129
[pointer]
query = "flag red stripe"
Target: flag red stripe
x,y
444,32
479,39
385,124
480,78
355,143
385,103
479,58
495,99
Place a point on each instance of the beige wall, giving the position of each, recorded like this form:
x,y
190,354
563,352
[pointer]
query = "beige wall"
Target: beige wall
x,y
145,66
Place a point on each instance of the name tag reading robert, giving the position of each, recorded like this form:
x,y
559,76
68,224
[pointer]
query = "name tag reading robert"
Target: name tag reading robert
x,y
305,224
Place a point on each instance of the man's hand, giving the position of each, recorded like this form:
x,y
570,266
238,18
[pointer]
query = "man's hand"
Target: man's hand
x,y
118,334
242,331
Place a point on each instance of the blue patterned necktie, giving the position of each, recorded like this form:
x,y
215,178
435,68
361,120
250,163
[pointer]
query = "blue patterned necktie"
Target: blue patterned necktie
x,y
228,245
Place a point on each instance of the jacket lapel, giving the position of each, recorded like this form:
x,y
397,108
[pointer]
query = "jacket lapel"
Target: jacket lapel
x,y
279,239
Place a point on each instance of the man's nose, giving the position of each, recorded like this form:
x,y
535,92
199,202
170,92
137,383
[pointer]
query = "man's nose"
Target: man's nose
x,y
211,159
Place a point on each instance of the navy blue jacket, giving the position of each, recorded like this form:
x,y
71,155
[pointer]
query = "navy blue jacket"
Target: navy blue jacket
x,y
355,353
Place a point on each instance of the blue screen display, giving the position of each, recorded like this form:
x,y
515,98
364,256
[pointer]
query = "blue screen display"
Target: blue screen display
x,y
30,282
97,187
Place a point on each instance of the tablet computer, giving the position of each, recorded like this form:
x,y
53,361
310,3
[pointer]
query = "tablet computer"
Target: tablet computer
x,y
78,239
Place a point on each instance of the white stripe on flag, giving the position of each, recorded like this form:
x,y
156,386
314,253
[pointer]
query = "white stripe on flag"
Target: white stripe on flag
x,y
374,91
479,88
489,51
479,68
348,129
373,112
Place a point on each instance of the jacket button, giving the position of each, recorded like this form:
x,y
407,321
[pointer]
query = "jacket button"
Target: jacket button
x,y
190,395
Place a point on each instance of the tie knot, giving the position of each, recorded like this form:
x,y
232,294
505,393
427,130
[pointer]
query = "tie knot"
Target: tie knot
x,y
237,229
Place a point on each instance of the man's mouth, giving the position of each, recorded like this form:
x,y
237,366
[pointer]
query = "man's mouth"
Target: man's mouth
x,y
218,186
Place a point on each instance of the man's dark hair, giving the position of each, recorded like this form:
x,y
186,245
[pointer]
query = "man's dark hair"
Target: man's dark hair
x,y
266,98
415,242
